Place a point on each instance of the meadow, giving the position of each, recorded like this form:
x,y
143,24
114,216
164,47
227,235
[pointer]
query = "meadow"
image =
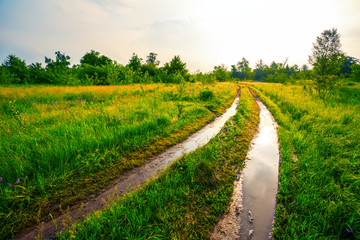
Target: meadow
x,y
319,189
59,144
186,201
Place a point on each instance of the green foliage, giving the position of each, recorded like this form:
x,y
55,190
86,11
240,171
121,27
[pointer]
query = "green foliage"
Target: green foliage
x,y
38,74
327,57
176,67
6,77
355,74
206,95
134,63
60,64
241,70
93,58
323,85
259,71
346,67
151,59
16,69
221,73
92,74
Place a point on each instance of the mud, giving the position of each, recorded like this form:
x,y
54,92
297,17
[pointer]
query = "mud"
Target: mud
x,y
257,188
133,179
228,227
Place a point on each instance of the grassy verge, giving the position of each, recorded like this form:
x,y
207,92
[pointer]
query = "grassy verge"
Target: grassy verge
x,y
187,199
59,144
319,189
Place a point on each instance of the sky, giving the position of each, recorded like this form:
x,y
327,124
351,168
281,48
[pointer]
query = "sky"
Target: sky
x,y
204,33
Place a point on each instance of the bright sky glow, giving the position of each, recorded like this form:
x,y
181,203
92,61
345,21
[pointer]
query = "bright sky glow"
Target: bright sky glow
x,y
205,33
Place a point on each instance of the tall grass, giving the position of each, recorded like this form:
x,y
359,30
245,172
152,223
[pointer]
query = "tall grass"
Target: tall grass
x,y
53,139
187,199
319,189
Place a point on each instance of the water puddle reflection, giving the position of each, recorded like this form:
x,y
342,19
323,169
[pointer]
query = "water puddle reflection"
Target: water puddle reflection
x,y
260,180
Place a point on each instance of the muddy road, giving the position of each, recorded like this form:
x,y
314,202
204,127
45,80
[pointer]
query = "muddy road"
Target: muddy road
x,y
130,180
251,214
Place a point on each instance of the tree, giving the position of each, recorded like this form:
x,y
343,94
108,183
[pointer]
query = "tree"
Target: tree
x,y
327,59
304,67
346,66
355,72
241,70
37,73
17,68
243,66
327,56
176,66
151,66
135,62
58,71
234,72
259,72
93,58
61,62
151,59
221,73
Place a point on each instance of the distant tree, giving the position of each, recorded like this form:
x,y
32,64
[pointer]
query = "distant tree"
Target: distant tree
x,y
61,62
260,65
151,66
259,71
151,59
327,59
274,66
327,56
37,73
355,73
234,72
241,70
221,73
243,65
346,66
304,67
58,70
276,72
304,73
135,62
93,58
17,68
176,66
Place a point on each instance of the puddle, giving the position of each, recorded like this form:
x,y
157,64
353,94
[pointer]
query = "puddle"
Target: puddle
x,y
133,178
255,212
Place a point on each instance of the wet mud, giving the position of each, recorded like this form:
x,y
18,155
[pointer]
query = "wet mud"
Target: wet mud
x,y
255,210
132,179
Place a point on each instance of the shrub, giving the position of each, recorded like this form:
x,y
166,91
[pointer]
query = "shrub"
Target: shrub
x,y
206,95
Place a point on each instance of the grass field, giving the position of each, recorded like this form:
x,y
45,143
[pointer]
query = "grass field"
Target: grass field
x,y
319,190
61,143
58,144
187,199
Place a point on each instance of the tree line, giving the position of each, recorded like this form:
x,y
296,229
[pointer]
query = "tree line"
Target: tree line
x,y
94,69
328,62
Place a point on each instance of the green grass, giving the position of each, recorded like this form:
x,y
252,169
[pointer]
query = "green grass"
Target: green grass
x,y
187,199
58,144
319,189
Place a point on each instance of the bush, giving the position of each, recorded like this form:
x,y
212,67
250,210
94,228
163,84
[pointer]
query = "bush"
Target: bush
x,y
206,95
